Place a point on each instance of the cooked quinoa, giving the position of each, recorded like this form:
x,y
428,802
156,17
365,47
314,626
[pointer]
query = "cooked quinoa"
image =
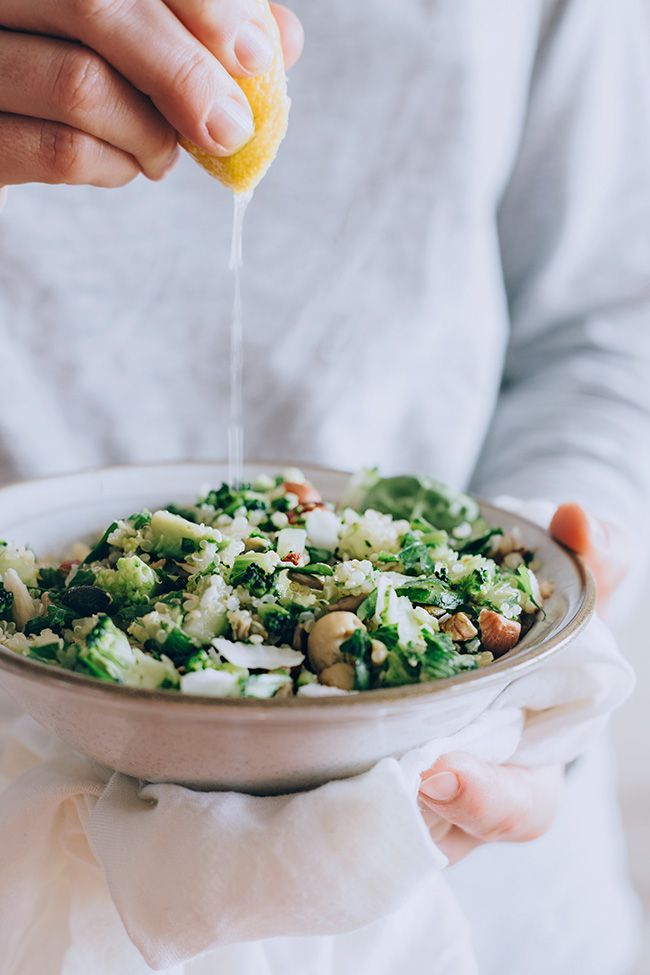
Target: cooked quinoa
x,y
266,590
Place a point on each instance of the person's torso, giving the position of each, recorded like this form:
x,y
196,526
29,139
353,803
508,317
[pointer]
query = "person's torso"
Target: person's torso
x,y
375,317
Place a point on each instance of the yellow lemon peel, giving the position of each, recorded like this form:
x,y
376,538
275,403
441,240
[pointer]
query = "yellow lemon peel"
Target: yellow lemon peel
x,y
267,96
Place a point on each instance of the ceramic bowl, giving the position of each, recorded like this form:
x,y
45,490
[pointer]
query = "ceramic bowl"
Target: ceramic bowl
x,y
253,746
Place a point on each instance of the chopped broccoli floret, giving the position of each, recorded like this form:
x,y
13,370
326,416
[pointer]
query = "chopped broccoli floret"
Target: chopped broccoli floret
x,y
104,651
201,660
176,537
154,674
206,614
159,633
21,559
227,500
131,581
255,571
279,622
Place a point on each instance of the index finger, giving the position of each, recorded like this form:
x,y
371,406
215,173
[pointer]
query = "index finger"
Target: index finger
x,y
150,47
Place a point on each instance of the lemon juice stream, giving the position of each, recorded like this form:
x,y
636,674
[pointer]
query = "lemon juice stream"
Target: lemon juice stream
x,y
236,420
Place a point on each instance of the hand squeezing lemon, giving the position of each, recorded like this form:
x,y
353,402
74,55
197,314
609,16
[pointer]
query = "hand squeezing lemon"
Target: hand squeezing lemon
x,y
267,96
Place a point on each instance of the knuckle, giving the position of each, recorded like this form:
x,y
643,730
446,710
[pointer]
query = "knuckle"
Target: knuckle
x,y
168,142
95,12
505,829
65,152
191,77
80,83
472,806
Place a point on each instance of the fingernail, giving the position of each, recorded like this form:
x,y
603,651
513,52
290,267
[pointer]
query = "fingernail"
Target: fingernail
x,y
441,787
230,124
253,48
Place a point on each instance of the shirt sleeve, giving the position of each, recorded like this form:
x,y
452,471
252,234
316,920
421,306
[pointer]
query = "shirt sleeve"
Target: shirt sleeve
x,y
573,418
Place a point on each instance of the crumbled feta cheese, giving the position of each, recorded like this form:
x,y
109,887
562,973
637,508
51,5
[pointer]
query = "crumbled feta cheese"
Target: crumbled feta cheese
x,y
279,519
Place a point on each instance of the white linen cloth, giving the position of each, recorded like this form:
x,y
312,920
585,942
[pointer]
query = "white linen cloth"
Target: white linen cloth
x,y
219,874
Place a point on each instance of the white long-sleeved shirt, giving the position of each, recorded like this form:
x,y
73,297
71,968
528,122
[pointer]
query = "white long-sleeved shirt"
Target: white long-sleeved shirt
x,y
447,269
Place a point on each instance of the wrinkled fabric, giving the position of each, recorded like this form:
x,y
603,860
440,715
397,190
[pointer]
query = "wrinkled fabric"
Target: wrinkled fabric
x,y
94,860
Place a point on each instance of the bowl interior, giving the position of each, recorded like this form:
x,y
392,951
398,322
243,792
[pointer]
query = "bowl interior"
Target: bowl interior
x,y
51,513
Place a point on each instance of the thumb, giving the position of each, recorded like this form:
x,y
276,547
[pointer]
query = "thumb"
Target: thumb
x,y
604,546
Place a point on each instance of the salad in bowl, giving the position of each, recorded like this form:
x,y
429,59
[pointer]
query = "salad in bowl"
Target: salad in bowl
x,y
267,590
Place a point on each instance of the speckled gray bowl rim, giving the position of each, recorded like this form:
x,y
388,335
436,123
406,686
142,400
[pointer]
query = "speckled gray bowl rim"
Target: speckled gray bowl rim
x,y
510,665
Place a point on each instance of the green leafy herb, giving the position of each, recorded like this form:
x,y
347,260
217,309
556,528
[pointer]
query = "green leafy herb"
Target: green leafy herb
x,y
56,618
368,606
481,544
431,592
51,578
178,647
388,635
318,554
400,669
46,653
441,659
420,497
315,569
83,577
357,646
102,548
361,675
125,615
416,560
524,583
469,587
6,604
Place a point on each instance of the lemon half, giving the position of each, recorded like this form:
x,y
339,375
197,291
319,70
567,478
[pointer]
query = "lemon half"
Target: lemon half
x,y
267,96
